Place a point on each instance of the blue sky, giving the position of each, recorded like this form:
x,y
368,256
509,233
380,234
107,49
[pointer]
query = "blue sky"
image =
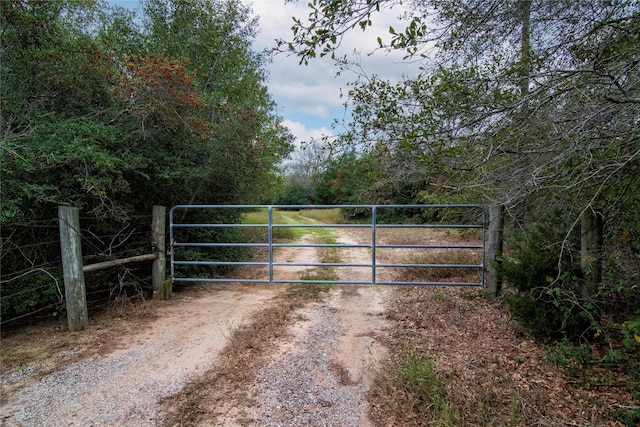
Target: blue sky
x,y
308,97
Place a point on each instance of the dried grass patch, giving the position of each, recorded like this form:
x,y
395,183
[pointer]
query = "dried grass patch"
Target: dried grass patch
x,y
492,374
440,257
426,236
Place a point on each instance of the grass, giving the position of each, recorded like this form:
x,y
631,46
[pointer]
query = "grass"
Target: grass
x,y
432,377
412,392
324,216
307,216
324,274
441,257
318,235
409,389
421,236
328,255
286,234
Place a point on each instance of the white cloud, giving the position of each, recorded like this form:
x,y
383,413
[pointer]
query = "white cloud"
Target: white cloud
x,y
316,98
305,133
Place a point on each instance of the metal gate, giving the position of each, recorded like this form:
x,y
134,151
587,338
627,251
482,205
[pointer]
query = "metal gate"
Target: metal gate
x,y
186,222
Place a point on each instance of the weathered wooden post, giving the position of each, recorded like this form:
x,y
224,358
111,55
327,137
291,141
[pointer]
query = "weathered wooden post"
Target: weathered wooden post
x,y
161,286
496,231
71,247
591,251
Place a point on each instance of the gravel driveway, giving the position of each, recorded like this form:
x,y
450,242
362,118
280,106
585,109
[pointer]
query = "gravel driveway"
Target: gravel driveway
x,y
318,377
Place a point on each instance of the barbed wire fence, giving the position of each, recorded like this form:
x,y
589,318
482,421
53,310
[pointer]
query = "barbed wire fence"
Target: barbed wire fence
x,y
31,275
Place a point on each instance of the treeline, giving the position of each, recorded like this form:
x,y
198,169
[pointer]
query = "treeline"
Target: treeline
x,y
371,176
114,111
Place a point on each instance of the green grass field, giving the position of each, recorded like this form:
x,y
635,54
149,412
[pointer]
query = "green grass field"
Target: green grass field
x,y
306,216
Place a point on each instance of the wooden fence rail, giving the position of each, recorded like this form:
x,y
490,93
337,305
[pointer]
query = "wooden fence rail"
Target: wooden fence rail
x,y
116,262
73,270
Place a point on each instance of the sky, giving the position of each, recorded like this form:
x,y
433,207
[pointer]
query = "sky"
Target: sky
x,y
308,96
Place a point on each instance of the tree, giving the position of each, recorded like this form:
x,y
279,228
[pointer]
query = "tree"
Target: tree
x,y
112,116
56,88
492,69
532,104
249,141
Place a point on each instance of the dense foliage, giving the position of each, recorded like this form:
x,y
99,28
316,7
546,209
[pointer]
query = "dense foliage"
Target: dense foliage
x,y
114,112
530,104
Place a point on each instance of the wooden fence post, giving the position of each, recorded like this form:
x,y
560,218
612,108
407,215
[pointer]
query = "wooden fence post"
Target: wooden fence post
x,y
496,231
161,286
71,248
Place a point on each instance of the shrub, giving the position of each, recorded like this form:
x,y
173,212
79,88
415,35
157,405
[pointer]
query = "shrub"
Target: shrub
x,y
546,293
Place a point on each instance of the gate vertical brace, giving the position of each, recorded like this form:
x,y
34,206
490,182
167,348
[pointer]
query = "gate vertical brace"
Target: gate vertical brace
x,y
373,245
170,250
270,237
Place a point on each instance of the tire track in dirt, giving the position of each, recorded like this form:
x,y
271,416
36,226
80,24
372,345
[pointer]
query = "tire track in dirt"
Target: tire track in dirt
x,y
124,387
321,373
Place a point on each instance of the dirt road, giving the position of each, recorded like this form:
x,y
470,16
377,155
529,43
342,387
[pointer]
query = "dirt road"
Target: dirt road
x,y
126,386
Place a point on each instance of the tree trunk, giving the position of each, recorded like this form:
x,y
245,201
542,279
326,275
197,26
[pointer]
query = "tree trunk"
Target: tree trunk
x,y
591,251
525,55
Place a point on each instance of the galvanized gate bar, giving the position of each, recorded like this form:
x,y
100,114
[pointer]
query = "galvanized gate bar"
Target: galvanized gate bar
x,y
374,221
373,246
270,233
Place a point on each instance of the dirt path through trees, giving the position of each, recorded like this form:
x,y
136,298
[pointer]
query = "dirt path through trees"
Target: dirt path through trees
x,y
304,362
333,349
